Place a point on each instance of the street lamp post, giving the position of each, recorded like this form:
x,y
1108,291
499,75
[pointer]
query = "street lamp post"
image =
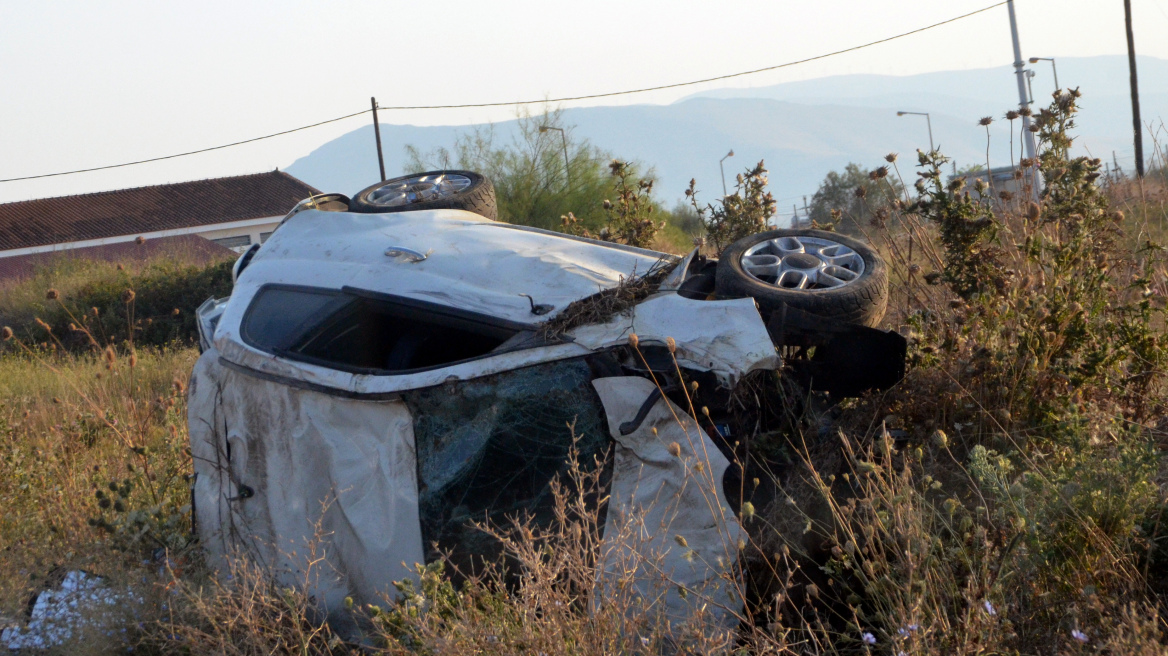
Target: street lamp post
x,y
928,120
1053,68
723,170
564,139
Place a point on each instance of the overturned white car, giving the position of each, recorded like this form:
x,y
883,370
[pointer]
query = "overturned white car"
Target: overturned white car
x,y
394,368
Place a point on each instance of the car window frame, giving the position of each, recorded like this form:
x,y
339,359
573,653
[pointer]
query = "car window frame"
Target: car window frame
x,y
348,295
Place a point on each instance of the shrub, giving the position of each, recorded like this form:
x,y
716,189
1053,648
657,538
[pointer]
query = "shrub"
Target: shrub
x,y
159,301
740,214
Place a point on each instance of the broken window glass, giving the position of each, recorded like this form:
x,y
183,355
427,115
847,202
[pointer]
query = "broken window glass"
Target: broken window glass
x,y
488,449
365,332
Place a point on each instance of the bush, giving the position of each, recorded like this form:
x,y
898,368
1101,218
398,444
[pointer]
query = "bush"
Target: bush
x,y
159,301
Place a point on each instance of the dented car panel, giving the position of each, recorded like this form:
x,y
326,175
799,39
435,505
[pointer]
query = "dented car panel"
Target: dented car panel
x,y
378,386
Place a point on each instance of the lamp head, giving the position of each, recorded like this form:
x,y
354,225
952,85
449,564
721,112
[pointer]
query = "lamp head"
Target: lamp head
x,y
731,153
543,128
1035,60
900,113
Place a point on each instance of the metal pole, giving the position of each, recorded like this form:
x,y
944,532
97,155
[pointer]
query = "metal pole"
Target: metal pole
x,y
567,168
929,120
723,171
1135,90
1054,69
377,136
1028,136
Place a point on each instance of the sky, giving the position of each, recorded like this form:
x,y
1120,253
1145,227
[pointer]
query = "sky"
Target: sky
x,y
88,84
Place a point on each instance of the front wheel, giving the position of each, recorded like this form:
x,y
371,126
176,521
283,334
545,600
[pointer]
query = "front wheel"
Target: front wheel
x,y
824,273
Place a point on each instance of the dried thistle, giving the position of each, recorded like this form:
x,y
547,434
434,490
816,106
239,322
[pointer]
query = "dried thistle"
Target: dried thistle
x,y
5,333
890,158
128,296
140,240
1011,115
861,192
985,121
52,295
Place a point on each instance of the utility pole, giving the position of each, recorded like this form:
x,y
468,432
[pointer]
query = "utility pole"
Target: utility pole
x,y
377,136
567,164
1019,65
1135,90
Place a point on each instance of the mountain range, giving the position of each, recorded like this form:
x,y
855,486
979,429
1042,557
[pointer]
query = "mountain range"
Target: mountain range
x,y
805,129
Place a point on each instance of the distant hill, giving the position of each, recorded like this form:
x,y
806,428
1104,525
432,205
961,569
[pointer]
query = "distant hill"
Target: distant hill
x,y
802,129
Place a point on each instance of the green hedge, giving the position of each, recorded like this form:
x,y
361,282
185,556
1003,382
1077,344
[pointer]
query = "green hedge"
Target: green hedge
x,y
160,299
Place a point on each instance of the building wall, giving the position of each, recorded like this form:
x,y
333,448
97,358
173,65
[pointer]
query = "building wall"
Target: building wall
x,y
240,238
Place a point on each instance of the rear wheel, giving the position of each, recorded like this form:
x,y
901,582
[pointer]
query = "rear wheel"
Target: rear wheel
x,y
432,190
824,273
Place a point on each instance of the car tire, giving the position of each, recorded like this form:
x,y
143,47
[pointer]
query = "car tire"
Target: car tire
x,y
861,300
478,196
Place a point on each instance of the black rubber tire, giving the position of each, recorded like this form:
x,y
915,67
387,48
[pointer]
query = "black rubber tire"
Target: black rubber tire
x,y
862,301
478,198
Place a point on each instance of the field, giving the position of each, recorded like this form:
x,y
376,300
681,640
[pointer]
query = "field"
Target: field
x,y
1007,497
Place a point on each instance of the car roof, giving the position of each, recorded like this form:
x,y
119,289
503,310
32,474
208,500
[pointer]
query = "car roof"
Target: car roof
x,y
471,263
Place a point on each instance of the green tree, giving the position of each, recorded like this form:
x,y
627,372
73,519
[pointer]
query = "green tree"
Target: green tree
x,y
855,197
531,184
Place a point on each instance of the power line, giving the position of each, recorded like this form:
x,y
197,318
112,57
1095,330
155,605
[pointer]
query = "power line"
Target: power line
x,y
192,152
702,81
521,102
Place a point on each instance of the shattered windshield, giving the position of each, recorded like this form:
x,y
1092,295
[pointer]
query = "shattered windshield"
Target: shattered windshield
x,y
488,448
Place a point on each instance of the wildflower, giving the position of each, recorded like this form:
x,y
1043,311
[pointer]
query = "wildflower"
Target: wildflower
x,y
607,204
140,240
989,608
634,340
1079,635
644,641
940,439
890,158
674,449
747,510
52,295
868,639
1011,115
5,333
1025,111
671,344
128,296
1033,211
985,120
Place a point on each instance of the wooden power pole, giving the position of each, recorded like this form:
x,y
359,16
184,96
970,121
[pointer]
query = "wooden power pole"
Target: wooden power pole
x,y
377,136
1135,90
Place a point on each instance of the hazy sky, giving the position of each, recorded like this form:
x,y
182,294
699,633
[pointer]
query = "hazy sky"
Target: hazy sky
x,y
92,83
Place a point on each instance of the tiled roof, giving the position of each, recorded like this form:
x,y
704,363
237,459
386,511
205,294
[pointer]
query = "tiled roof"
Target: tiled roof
x,y
184,248
145,209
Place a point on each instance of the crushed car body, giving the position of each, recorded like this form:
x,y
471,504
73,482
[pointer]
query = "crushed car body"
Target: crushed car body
x,y
382,382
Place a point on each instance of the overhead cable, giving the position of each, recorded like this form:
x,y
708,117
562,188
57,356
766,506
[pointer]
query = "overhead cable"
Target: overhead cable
x,y
191,152
523,102
702,81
